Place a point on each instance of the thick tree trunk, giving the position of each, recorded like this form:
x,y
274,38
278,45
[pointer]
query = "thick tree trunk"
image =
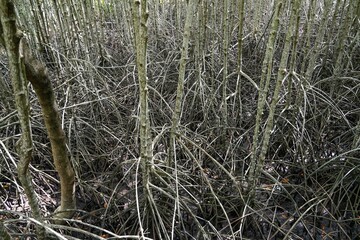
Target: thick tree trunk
x,y
37,75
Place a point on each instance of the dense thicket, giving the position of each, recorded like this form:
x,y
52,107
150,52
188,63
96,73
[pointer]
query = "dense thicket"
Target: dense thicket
x,y
199,119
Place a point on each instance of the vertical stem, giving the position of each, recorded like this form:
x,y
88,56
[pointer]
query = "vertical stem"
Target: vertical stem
x,y
307,33
282,74
225,46
12,39
340,45
180,86
239,57
292,63
258,6
37,75
264,87
140,16
318,42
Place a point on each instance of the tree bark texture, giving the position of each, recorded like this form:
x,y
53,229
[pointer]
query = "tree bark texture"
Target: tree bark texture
x,y
12,38
36,73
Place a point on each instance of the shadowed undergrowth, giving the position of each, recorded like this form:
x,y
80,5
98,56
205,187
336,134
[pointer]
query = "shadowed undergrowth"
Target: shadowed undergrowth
x,y
308,188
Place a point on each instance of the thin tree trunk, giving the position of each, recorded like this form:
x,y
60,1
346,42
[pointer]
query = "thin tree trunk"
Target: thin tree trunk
x,y
283,73
13,39
36,73
239,57
318,43
180,86
340,45
307,33
255,165
140,17
225,51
